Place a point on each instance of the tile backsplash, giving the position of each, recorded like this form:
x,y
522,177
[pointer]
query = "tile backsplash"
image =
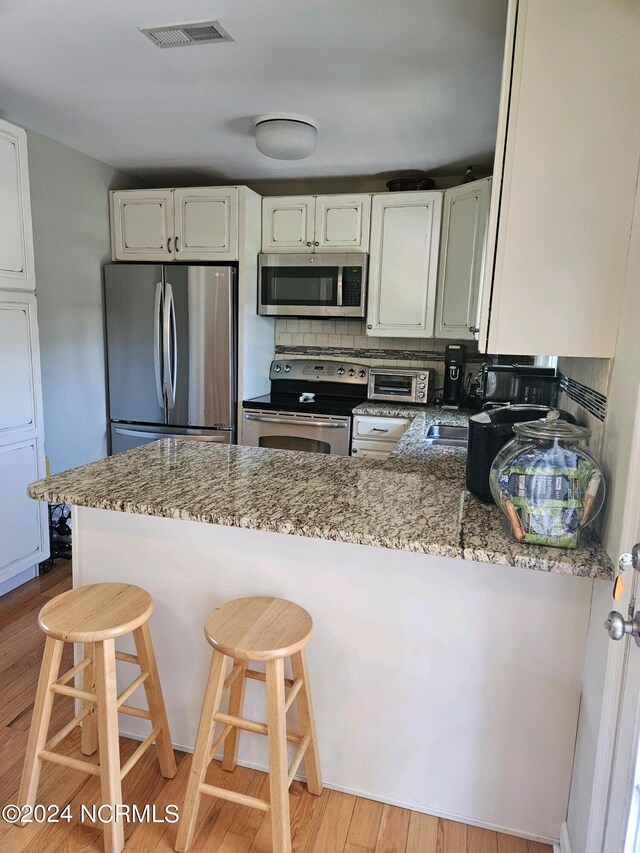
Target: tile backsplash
x,y
347,339
584,385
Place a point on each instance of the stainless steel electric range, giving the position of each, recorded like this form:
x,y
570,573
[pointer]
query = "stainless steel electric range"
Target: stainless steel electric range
x,y
309,407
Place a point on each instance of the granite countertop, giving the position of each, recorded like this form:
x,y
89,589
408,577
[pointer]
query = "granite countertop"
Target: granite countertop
x,y
415,501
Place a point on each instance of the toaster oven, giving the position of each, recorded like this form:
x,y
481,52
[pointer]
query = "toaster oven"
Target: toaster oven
x,y
401,385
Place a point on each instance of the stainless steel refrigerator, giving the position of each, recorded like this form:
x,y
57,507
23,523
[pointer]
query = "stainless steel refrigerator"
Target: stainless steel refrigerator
x,y
171,353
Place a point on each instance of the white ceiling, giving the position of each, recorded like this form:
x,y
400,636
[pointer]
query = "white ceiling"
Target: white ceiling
x,y
393,84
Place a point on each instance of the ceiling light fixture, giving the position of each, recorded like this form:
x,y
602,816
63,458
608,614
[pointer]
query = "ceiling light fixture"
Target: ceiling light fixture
x,y
285,137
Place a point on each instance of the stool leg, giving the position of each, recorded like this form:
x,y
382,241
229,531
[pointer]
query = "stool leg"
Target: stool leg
x,y
236,701
40,721
89,739
278,761
107,695
155,701
200,759
307,722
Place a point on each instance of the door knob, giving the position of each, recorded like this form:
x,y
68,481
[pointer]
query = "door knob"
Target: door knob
x,y
617,626
632,559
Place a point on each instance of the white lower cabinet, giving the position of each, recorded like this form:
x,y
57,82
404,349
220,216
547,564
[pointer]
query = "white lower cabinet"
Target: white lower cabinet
x,y
22,522
24,539
375,436
403,264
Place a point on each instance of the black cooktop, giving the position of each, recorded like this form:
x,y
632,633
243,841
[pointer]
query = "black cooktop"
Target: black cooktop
x,y
291,403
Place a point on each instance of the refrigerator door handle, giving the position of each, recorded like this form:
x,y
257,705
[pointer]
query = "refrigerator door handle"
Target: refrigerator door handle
x,y
157,343
136,433
170,348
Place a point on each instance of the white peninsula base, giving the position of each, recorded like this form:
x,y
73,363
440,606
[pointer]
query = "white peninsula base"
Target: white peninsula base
x,y
445,686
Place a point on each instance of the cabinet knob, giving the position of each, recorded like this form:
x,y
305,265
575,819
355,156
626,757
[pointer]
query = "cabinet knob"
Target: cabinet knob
x,y
316,243
308,242
369,327
168,244
474,330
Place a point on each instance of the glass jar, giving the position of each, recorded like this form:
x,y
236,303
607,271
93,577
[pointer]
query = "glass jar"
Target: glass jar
x,y
547,483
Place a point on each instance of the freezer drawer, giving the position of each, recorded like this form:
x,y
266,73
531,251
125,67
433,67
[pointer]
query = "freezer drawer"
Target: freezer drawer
x,y
127,436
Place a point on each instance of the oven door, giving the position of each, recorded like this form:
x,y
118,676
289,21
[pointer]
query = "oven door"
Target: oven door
x,y
297,431
387,385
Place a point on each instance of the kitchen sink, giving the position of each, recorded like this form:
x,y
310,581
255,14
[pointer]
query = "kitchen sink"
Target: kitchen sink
x,y
447,436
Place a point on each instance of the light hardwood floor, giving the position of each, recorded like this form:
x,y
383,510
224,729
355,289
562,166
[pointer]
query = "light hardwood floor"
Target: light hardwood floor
x,y
332,823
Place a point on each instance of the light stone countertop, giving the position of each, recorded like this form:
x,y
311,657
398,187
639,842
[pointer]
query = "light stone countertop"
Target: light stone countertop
x,y
414,501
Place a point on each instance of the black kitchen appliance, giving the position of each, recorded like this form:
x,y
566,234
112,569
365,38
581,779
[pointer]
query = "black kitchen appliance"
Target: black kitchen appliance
x,y
489,431
454,356
519,383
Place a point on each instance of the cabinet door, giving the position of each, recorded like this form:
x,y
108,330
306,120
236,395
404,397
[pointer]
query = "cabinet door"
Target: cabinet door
x,y
17,409
462,249
23,522
206,224
403,266
288,224
16,241
142,225
342,222
558,237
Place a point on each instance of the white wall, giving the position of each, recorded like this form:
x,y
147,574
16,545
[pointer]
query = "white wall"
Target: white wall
x,y
70,213
623,393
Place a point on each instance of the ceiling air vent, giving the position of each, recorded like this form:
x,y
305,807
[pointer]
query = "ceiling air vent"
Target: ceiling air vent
x,y
181,35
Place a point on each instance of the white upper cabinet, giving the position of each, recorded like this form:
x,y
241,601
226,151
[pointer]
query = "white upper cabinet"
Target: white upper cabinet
x,y
328,223
287,223
342,223
462,250
194,224
206,224
403,265
564,179
17,411
16,240
142,225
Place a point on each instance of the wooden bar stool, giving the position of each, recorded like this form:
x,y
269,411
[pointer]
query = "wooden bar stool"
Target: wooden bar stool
x,y
95,615
255,629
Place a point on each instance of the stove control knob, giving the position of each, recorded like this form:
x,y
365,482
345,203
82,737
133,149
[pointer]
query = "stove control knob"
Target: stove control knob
x,y
341,371
421,385
422,376
352,372
287,368
420,393
277,368
362,373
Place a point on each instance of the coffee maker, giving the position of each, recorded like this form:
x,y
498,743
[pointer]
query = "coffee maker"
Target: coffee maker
x,y
454,356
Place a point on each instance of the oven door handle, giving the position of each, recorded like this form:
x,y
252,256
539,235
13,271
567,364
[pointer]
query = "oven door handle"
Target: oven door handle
x,y
297,421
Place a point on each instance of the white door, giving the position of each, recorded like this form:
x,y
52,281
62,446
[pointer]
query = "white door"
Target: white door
x,y
206,221
623,816
403,265
23,522
16,241
142,225
288,223
462,249
342,223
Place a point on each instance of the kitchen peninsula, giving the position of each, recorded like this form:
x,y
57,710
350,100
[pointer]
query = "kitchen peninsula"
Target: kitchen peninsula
x,y
445,658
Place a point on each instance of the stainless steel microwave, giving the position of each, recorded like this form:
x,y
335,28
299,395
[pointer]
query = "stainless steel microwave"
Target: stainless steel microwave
x,y
317,285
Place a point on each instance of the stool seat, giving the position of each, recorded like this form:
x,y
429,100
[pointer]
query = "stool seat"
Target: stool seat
x,y
259,628
96,612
